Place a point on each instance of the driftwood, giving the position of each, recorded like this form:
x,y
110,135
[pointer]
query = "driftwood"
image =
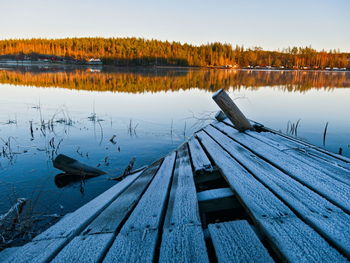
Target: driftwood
x,y
8,219
74,167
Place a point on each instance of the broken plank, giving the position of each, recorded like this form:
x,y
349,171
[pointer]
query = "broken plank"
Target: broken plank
x,y
329,220
290,237
332,189
236,241
138,237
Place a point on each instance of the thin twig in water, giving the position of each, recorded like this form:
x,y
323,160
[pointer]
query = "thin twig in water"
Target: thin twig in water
x,y
325,133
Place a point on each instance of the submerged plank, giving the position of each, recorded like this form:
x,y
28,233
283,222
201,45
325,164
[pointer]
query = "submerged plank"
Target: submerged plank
x,y
236,241
73,223
329,220
183,238
332,189
137,239
291,238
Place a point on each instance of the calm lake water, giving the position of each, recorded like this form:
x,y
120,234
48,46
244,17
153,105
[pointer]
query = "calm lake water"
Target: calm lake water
x,y
150,112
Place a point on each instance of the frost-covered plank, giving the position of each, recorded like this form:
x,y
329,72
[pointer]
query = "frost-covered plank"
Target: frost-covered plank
x,y
200,160
136,246
236,241
214,194
183,238
294,240
89,248
37,251
72,224
8,252
328,219
334,190
183,205
318,150
341,173
183,243
137,239
286,143
110,218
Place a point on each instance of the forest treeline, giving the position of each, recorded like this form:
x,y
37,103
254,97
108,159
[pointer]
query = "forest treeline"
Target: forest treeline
x,y
210,80
142,52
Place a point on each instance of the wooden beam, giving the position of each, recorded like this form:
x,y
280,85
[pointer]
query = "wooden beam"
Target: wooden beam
x,y
227,105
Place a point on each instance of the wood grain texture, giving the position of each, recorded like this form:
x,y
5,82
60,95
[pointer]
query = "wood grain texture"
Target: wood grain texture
x,y
183,238
333,169
200,160
332,189
236,242
326,218
37,251
87,249
111,217
291,238
137,240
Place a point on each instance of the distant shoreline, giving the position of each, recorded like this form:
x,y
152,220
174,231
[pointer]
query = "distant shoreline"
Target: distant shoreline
x,y
28,63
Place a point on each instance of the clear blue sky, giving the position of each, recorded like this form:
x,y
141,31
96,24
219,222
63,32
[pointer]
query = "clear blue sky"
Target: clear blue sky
x,y
271,24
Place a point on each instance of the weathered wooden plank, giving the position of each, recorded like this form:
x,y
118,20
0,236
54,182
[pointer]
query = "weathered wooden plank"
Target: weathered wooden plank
x,y
135,246
107,222
217,199
183,243
183,238
329,220
7,253
236,241
73,223
334,190
89,248
137,239
37,251
283,136
183,205
294,240
341,173
299,145
110,218
200,160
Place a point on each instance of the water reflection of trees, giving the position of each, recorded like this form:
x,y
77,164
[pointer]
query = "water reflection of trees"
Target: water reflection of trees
x,y
166,80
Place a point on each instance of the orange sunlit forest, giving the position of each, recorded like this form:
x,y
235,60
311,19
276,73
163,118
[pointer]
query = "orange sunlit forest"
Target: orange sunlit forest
x,y
142,52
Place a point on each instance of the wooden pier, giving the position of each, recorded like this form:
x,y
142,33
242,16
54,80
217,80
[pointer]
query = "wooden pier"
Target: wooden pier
x,y
222,196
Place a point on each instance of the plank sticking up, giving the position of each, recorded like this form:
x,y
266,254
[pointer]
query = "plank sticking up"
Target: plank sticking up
x,y
236,242
332,189
291,238
137,240
329,220
183,238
